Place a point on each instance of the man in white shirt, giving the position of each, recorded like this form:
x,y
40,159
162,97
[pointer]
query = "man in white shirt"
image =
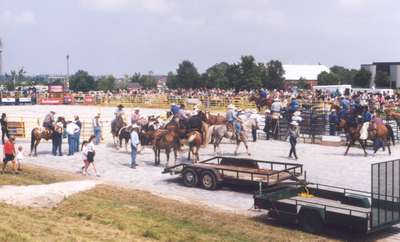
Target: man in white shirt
x,y
72,130
134,144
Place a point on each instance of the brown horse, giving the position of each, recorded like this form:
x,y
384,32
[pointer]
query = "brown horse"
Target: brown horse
x,y
39,133
167,139
195,140
215,119
261,102
116,125
381,132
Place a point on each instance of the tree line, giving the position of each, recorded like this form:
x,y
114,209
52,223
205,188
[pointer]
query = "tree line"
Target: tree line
x,y
340,75
246,74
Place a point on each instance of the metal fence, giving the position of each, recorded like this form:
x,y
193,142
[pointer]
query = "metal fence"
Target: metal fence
x,y
385,193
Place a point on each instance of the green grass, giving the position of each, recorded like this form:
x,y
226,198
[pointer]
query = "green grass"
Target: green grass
x,y
108,213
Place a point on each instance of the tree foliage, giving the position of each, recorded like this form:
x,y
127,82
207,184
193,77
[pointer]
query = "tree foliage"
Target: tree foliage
x,y
82,81
362,78
325,78
187,76
106,83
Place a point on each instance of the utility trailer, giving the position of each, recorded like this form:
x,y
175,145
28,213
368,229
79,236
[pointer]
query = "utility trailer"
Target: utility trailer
x,y
313,206
213,172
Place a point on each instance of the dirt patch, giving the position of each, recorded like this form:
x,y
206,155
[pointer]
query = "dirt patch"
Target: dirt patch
x,y
46,196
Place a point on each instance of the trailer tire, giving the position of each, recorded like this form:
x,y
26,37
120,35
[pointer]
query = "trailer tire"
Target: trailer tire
x,y
190,178
209,180
311,221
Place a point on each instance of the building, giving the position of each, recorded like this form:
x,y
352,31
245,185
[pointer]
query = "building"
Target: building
x,y
294,73
391,68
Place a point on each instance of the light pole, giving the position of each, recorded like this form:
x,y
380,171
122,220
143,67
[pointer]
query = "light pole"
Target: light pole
x,y
66,84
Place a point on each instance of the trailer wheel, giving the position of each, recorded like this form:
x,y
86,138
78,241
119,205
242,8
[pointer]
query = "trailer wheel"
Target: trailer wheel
x,y
190,178
209,180
311,221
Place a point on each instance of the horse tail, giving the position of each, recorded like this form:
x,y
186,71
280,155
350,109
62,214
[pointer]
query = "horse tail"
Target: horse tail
x,y
32,138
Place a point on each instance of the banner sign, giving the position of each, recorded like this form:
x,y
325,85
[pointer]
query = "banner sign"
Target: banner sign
x,y
25,100
88,99
193,101
51,101
8,100
56,88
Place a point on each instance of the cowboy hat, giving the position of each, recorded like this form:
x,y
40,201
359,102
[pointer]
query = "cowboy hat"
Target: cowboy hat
x,y
135,126
231,106
294,123
136,109
297,113
276,99
120,106
97,115
253,111
268,111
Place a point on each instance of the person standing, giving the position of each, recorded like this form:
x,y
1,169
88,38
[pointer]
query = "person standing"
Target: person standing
x,y
254,124
78,134
97,129
9,153
57,137
4,127
135,117
293,134
333,122
72,129
268,124
134,144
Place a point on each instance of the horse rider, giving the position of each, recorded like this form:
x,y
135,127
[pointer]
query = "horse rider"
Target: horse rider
x,y
233,120
180,116
120,112
377,121
135,117
366,119
49,120
293,107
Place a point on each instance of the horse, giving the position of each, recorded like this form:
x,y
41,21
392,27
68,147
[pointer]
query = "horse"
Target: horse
x,y
39,133
261,102
353,132
168,140
218,132
195,140
116,125
198,123
124,134
212,119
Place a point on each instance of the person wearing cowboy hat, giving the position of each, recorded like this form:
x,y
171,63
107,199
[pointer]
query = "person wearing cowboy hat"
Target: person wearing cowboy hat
x,y
293,134
96,128
49,120
119,111
135,117
233,119
268,124
134,144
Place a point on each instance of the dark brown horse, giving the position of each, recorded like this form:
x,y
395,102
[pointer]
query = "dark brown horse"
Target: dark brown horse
x,y
261,102
381,132
167,140
39,133
116,125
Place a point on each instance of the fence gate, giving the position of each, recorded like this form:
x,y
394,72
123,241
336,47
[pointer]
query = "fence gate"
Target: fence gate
x,y
385,193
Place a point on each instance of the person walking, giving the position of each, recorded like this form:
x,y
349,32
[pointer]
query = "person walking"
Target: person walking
x,y
4,127
134,144
78,134
9,154
90,153
97,129
72,129
57,137
293,134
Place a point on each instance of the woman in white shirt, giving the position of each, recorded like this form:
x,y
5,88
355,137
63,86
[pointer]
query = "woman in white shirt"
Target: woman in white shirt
x,y
88,153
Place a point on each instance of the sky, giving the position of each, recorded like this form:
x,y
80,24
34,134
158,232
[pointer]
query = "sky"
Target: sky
x,y
127,36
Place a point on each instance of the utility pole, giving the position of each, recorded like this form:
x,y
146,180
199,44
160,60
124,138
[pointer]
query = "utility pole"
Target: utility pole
x,y
66,84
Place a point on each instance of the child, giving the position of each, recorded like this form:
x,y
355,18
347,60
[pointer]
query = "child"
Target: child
x,y
9,154
90,154
84,156
19,158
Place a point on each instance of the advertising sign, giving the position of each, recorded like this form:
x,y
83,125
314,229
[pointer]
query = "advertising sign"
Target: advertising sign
x,y
88,99
25,100
8,100
56,88
51,101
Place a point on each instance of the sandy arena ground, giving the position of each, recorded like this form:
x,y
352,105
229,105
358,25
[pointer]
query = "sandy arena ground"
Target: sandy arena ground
x,y
323,164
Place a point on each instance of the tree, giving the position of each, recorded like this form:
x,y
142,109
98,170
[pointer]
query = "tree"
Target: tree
x,y
362,78
216,76
303,84
274,75
382,79
106,83
82,81
344,75
187,77
148,81
325,78
250,74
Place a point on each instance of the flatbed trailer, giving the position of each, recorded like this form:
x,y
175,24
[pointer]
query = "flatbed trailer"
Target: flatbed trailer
x,y
313,206
215,171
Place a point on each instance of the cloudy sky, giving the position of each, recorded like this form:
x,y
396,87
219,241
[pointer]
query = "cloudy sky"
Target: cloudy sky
x,y
127,36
